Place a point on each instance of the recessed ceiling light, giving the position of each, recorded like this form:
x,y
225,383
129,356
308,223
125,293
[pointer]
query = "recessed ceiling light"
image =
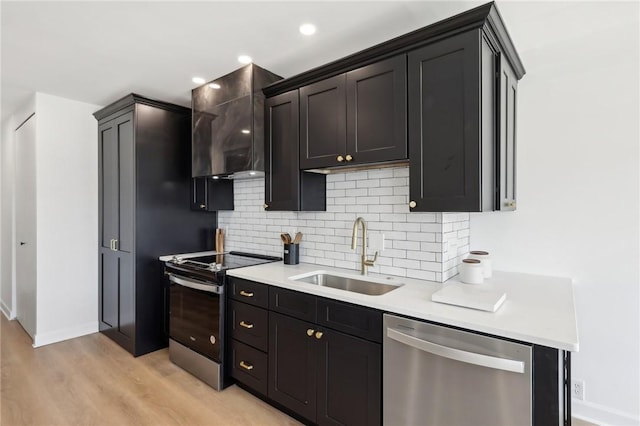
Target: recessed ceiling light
x,y
245,131
307,29
198,80
214,85
244,59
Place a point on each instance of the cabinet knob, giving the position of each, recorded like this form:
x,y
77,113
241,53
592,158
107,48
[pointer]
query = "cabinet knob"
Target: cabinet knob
x,y
246,324
246,366
340,158
511,203
310,332
318,334
349,157
265,206
202,206
412,204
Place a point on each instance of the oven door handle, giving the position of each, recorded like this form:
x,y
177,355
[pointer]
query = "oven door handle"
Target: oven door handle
x,y
195,284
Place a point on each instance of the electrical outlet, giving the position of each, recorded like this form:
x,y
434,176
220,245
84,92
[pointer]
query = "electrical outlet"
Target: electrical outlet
x,y
577,389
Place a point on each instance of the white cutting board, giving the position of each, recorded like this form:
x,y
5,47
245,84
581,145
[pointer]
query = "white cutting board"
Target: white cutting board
x,y
470,296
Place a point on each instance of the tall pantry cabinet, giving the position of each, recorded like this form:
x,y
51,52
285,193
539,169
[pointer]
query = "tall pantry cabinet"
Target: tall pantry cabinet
x,y
144,171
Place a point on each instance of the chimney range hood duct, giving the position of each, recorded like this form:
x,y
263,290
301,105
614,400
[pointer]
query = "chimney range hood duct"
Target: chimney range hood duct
x,y
228,124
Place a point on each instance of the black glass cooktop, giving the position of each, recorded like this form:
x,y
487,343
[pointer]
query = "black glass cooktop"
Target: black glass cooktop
x,y
226,261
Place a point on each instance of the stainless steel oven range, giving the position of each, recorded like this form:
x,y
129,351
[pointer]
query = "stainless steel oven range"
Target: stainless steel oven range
x,y
197,311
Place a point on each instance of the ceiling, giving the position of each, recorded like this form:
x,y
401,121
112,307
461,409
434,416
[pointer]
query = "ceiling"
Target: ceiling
x,y
97,52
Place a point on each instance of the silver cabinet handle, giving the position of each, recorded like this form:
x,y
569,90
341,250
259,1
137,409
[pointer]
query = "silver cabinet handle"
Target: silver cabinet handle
x,y
194,284
456,354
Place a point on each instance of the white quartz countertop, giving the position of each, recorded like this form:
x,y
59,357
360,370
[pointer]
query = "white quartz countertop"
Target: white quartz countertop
x,y
538,309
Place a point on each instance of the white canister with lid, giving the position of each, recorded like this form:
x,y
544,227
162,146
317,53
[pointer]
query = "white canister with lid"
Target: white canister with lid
x,y
485,260
471,271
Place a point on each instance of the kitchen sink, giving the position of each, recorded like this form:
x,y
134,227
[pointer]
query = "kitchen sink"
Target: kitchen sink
x,y
346,282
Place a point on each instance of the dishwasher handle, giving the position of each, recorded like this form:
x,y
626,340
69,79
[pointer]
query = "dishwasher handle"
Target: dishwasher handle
x,y
456,354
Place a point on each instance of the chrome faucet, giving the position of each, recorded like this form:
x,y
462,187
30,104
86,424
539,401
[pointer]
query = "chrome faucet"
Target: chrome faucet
x,y
354,238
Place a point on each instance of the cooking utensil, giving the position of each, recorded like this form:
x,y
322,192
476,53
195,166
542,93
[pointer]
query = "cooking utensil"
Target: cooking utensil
x,y
286,238
298,238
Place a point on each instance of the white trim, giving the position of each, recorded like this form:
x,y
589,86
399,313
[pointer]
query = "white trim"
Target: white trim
x,y
6,311
602,415
41,339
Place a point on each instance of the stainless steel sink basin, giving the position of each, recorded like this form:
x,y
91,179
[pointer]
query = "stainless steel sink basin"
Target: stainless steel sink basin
x,y
348,283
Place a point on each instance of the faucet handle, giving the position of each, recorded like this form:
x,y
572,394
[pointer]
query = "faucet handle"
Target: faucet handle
x,y
370,262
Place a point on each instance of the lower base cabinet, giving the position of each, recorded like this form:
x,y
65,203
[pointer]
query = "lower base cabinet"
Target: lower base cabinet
x,y
323,358
328,377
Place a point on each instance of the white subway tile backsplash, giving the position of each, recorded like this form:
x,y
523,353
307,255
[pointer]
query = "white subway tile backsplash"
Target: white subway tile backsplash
x,y
414,241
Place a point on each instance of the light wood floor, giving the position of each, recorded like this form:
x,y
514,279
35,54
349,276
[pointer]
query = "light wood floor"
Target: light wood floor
x,y
92,381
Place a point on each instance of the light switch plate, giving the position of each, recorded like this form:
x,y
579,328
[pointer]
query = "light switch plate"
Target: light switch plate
x,y
376,241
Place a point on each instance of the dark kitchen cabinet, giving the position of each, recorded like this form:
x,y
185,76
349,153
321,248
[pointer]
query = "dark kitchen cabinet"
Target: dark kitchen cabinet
x,y
210,195
327,376
293,353
349,366
248,330
356,117
286,186
144,186
457,109
461,135
506,149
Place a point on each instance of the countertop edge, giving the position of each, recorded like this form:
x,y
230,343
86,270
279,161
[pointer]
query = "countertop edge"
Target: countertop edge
x,y
256,273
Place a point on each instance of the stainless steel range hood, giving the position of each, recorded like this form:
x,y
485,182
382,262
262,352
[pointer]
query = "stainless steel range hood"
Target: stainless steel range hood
x,y
228,124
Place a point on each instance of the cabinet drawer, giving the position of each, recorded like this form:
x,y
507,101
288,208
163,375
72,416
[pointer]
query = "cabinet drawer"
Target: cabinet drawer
x,y
293,303
249,366
249,324
355,320
249,292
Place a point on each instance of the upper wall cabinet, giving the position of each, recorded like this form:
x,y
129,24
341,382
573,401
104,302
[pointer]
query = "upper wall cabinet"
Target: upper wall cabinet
x,y
356,117
286,186
461,126
450,87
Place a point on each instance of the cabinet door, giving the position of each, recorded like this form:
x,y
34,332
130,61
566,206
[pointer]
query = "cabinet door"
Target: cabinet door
x,y
349,380
323,132
116,297
116,182
282,169
377,112
506,169
292,364
444,129
210,195
199,194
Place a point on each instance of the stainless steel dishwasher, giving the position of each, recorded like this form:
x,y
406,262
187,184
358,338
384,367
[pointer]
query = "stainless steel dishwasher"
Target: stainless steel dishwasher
x,y
435,375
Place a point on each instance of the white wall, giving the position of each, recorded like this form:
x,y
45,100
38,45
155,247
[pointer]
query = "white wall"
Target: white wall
x,y
67,181
7,158
67,219
578,187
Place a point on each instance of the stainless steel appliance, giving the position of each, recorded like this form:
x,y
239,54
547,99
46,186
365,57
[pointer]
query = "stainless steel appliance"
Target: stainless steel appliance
x,y
197,311
435,375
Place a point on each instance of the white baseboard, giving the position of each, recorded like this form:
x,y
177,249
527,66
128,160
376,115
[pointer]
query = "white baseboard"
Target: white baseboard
x,y
6,311
41,339
602,415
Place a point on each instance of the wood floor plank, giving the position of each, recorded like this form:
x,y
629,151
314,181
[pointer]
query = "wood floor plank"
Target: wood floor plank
x,y
93,381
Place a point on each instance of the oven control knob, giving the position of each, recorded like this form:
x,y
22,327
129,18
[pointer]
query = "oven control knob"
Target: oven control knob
x,y
212,339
